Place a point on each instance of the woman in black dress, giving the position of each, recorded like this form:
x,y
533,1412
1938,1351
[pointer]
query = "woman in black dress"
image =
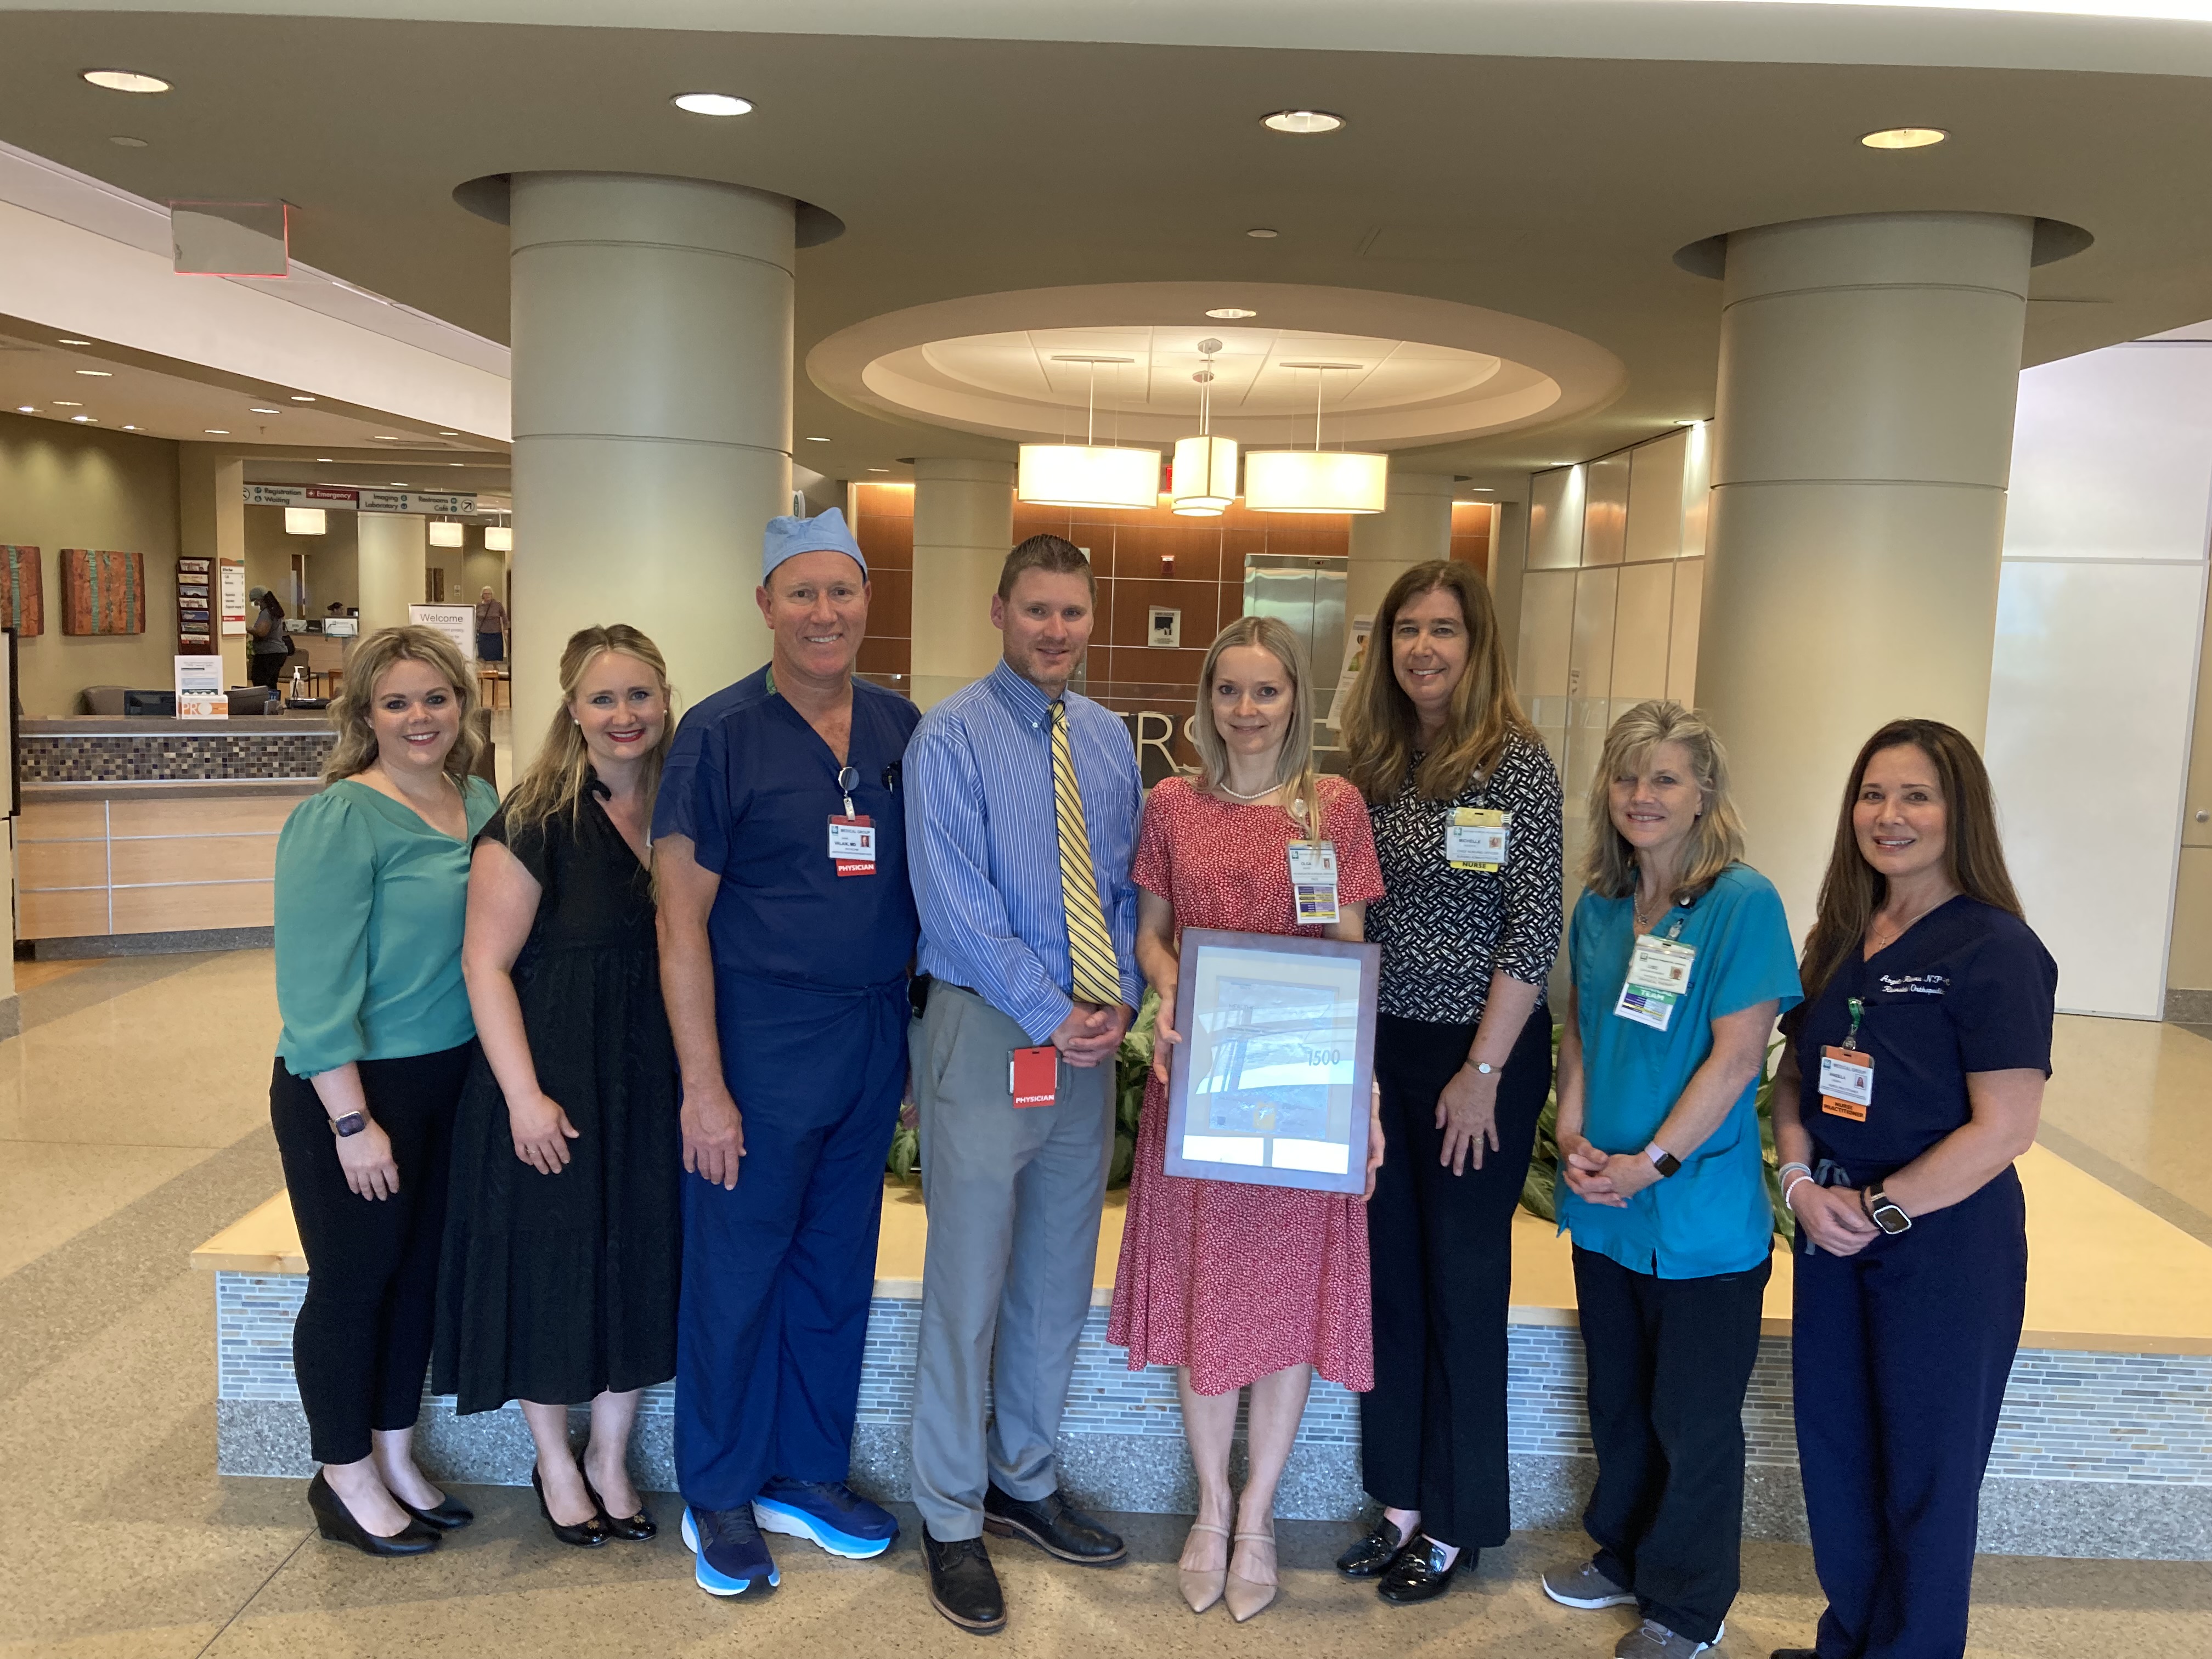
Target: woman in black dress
x,y
563,1237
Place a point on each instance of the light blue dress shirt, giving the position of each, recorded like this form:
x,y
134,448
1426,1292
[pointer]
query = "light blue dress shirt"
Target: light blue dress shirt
x,y
983,844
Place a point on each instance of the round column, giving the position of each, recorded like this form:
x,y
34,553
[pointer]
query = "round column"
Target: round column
x,y
1414,528
394,555
963,526
1869,367
652,363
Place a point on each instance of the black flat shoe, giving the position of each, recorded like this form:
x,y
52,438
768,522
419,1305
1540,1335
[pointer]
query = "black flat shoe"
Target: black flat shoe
x,y
1420,1573
1054,1526
449,1515
334,1521
964,1585
1370,1558
587,1536
635,1527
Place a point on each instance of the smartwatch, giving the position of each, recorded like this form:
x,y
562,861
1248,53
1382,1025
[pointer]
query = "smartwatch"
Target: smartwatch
x,y
1662,1160
1881,1210
351,1124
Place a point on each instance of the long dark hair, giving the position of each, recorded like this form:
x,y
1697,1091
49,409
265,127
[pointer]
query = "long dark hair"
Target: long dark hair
x,y
1973,852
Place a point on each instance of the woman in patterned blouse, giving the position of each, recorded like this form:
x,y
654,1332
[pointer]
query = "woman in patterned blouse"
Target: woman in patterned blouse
x,y
1465,804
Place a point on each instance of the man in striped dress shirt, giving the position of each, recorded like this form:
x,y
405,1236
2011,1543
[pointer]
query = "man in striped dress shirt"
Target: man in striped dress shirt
x,y
1021,807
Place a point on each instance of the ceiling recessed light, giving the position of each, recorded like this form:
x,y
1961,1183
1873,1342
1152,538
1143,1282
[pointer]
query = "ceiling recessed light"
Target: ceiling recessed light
x,y
711,103
72,342
879,469
817,441
1261,234
454,463
1904,138
85,418
64,402
98,373
1229,314
400,484
126,81
326,459
259,408
386,438
1691,422
26,409
448,434
127,141
217,431
127,427
297,399
1302,121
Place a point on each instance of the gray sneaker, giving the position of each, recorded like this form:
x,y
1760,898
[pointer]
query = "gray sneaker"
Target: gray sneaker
x,y
1653,1640
1585,1587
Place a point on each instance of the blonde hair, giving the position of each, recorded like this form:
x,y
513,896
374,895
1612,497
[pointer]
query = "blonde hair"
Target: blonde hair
x,y
1716,841
1294,766
555,781
368,663
1380,724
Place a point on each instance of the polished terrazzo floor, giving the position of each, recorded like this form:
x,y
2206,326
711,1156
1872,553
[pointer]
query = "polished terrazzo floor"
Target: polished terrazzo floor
x,y
132,1128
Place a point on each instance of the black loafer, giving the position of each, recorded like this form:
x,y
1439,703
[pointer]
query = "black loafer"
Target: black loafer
x,y
962,1584
1420,1573
1054,1526
450,1515
1370,1558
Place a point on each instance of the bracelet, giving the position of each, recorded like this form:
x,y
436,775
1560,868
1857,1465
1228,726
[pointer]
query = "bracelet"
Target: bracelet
x,y
1805,1168
1790,1188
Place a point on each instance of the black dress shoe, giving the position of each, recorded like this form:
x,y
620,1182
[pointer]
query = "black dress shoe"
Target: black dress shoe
x,y
336,1523
1796,1653
962,1586
448,1514
1420,1573
1370,1558
635,1527
587,1536
1054,1526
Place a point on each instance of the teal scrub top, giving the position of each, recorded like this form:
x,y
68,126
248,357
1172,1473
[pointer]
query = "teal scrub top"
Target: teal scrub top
x,y
1711,1215
370,903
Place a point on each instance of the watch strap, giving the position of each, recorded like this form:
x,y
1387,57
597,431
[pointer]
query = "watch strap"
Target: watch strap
x,y
1662,1160
352,1123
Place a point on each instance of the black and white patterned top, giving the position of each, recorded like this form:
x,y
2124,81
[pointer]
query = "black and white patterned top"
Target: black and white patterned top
x,y
1443,931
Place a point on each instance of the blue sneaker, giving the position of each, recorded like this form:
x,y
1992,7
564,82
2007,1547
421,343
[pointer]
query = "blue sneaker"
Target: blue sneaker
x,y
733,1557
830,1513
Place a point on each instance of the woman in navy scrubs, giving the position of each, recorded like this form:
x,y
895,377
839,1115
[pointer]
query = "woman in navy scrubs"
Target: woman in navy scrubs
x,y
1913,1078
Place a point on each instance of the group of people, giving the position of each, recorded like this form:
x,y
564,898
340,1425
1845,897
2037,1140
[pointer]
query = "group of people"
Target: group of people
x,y
593,1088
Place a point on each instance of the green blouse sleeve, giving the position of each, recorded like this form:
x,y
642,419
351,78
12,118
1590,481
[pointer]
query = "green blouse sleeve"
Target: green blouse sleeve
x,y
326,893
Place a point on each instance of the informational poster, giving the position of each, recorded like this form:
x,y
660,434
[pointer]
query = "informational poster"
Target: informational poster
x,y
458,622
200,696
233,591
1355,657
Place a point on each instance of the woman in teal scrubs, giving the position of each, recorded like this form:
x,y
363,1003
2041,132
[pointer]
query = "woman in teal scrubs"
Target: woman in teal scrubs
x,y
1681,960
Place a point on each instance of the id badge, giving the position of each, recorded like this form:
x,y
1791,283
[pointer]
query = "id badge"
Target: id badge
x,y
1313,882
1846,1083
1033,1076
853,845
1658,974
1475,838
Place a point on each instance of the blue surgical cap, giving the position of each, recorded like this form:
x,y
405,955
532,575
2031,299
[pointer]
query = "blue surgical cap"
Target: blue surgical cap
x,y
787,537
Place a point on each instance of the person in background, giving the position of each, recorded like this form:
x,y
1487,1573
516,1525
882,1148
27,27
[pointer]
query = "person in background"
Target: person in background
x,y
786,927
563,1241
269,644
1913,1078
1465,808
1680,959
1022,810
371,890
491,628
1238,1285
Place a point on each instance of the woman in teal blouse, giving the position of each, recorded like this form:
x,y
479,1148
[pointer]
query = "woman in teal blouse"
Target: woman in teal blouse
x,y
372,883
1681,959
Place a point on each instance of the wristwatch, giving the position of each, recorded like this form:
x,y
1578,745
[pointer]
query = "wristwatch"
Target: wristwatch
x,y
1662,1160
351,1124
1480,1067
1881,1210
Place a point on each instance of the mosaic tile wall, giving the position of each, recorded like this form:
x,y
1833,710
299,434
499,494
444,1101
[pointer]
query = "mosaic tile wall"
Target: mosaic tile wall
x,y
2068,1416
164,756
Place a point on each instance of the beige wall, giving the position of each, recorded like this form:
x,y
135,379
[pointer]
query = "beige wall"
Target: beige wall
x,y
332,558
2189,964
70,486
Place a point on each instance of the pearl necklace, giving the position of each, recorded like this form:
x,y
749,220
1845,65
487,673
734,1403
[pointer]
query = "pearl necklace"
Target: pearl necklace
x,y
1238,795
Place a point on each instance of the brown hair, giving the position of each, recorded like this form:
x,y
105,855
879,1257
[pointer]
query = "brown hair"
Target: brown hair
x,y
1380,724
1294,763
1609,868
370,661
1055,553
1973,852
554,781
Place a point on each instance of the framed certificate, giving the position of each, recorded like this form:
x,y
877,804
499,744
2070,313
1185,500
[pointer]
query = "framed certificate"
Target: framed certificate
x,y
1270,1084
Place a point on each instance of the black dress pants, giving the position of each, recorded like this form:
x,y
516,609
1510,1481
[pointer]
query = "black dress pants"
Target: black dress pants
x,y
1440,1247
362,1342
1669,1359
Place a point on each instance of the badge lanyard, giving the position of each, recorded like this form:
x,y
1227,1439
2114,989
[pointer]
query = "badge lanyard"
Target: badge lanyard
x,y
1658,977
852,837
1475,838
1846,1074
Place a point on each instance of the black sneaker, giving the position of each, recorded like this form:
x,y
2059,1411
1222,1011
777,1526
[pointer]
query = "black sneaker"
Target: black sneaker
x,y
1054,1526
962,1586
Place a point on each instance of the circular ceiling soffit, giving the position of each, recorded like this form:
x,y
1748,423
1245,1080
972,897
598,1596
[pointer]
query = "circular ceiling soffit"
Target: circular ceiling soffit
x,y
2055,239
489,197
1426,371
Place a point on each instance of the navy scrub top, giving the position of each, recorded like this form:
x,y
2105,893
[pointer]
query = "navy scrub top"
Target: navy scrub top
x,y
1968,987
754,787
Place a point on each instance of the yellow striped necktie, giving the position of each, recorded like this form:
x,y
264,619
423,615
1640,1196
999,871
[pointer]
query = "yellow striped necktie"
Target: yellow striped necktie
x,y
1090,947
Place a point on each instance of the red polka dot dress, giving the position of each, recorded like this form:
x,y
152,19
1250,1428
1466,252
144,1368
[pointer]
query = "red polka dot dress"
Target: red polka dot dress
x,y
1235,1282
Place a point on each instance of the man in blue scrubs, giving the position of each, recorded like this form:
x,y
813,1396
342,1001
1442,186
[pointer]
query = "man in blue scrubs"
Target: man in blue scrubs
x,y
786,927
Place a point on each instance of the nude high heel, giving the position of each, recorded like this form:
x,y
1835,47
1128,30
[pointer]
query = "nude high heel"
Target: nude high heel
x,y
1202,1588
1247,1597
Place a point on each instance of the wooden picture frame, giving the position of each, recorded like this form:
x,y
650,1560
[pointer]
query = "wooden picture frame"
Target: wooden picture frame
x,y
1270,1085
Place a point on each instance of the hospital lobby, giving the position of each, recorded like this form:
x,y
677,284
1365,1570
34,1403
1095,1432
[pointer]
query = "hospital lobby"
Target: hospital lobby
x,y
1812,363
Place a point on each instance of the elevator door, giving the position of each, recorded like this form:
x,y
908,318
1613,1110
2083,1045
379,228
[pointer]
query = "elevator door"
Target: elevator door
x,y
1307,596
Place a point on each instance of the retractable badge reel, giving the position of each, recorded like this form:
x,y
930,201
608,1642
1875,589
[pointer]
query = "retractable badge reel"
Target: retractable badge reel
x,y
1846,1074
853,835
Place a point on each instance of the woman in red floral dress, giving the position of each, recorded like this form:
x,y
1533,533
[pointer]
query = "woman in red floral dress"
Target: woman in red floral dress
x,y
1238,1285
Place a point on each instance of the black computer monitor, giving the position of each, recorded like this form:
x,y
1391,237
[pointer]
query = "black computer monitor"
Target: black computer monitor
x,y
150,702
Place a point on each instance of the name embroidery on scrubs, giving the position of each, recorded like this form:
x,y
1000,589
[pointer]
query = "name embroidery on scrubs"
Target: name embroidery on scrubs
x,y
1847,1075
1313,882
1920,985
1475,838
1658,977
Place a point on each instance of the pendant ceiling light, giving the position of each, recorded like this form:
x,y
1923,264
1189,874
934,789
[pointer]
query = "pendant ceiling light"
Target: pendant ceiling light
x,y
499,538
1088,474
1205,475
444,533
1315,480
306,521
